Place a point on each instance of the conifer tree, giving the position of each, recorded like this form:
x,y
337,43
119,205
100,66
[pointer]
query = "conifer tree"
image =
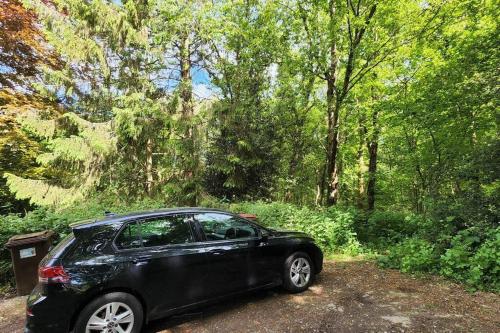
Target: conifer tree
x,y
75,152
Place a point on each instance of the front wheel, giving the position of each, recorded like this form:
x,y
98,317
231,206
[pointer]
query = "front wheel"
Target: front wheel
x,y
299,272
111,313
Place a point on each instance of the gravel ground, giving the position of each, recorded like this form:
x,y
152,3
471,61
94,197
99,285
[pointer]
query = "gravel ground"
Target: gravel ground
x,y
348,296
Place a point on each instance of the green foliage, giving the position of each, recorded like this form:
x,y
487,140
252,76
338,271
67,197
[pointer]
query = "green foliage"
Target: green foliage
x,y
74,154
471,256
48,219
455,262
473,260
383,228
269,127
333,230
485,264
243,152
413,255
391,226
390,107
41,192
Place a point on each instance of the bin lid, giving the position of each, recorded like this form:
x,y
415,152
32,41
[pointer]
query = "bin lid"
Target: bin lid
x,y
248,216
34,237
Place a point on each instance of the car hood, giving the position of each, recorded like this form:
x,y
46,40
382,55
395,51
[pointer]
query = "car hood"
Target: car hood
x,y
291,234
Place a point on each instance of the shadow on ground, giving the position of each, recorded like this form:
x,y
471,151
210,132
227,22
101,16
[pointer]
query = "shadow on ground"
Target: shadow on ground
x,y
212,311
348,296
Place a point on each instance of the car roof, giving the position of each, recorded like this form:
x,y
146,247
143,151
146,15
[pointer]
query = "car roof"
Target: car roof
x,y
120,218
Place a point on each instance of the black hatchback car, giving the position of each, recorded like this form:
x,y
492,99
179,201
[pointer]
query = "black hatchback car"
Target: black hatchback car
x,y
114,274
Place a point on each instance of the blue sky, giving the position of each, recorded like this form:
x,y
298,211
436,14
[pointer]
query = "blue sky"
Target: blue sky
x,y
200,76
202,86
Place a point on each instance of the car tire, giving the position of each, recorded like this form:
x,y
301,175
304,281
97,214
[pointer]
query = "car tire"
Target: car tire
x,y
298,272
109,310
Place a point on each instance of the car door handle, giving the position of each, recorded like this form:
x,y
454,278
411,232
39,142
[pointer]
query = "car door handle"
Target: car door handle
x,y
216,252
141,260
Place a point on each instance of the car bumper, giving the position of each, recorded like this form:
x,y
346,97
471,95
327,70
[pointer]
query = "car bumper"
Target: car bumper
x,y
318,260
48,311
44,329
34,326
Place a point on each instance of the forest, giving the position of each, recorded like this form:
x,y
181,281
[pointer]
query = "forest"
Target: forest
x,y
370,124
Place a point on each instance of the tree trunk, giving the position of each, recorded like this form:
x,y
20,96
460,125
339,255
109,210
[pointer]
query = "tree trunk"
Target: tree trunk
x,y
299,143
332,169
149,166
372,169
372,164
361,164
333,108
320,189
337,91
186,93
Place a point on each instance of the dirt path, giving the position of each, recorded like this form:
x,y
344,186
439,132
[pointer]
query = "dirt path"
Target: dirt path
x,y
353,296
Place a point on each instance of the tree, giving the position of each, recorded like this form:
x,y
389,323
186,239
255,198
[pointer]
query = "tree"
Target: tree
x,y
23,51
378,104
23,48
444,106
18,150
347,40
112,73
73,158
242,155
179,31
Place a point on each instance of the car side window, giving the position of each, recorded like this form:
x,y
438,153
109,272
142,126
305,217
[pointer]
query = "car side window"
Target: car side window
x,y
158,231
166,230
217,226
130,237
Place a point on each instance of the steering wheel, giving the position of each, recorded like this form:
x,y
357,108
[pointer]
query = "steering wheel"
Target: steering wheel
x,y
230,233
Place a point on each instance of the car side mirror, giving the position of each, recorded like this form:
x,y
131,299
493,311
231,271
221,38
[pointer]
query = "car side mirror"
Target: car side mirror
x,y
264,238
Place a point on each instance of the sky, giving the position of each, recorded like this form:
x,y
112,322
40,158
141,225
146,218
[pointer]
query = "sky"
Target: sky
x,y
202,87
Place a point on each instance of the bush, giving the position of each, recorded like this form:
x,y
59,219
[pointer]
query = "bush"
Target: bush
x,y
413,255
412,243
385,228
332,229
485,264
455,262
474,259
46,219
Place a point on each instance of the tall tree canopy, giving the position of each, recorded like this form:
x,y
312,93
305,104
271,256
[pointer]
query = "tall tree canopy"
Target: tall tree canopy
x,y
378,104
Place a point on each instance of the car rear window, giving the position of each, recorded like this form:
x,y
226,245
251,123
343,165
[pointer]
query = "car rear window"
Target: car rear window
x,y
130,237
56,251
92,241
157,231
166,230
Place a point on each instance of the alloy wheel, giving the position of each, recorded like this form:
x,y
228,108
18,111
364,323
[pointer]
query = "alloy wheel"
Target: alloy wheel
x,y
300,272
115,317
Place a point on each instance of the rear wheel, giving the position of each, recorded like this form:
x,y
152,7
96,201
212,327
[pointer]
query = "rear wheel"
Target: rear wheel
x,y
111,313
299,272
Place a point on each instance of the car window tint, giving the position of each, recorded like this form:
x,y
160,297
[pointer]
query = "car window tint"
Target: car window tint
x,y
218,226
54,250
166,230
130,237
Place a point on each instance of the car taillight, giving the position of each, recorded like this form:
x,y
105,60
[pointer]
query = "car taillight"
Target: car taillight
x,y
52,274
